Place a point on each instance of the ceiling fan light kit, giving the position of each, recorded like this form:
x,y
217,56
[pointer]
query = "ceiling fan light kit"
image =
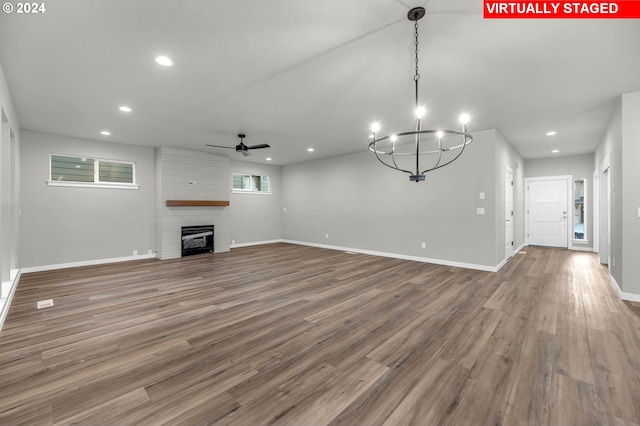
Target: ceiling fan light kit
x,y
436,147
241,147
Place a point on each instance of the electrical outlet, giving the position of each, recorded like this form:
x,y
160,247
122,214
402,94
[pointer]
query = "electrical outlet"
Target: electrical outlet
x,y
326,235
480,210
482,195
614,261
284,209
424,245
135,252
150,252
233,242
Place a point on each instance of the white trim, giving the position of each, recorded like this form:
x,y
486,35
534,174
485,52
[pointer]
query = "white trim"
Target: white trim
x,y
401,256
596,211
87,263
93,184
578,248
248,191
606,163
254,243
631,297
5,303
504,261
513,227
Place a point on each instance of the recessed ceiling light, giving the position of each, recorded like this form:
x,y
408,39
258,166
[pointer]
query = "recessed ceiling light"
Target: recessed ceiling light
x,y
555,151
268,158
310,149
551,133
124,108
105,133
165,61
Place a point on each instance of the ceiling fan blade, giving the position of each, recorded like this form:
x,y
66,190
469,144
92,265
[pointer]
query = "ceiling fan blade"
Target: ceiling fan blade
x,y
220,146
260,146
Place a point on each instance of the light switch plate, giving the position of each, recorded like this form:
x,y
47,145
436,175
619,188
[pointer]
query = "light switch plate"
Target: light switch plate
x,y
482,195
480,210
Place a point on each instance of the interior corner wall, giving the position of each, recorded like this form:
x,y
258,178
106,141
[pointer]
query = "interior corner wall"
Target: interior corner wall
x,y
9,187
630,193
580,166
62,225
611,145
256,217
352,201
507,156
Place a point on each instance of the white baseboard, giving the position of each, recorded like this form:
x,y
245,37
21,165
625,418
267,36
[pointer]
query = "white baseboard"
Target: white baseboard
x,y
399,256
504,261
631,297
5,302
87,263
255,243
580,248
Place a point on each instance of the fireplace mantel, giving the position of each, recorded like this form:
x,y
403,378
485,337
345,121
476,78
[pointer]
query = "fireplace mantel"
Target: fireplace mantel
x,y
197,203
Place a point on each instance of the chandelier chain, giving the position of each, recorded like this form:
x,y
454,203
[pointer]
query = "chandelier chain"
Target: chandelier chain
x,y
417,76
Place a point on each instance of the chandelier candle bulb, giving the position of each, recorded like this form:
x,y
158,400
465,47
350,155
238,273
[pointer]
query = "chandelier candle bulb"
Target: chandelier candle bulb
x,y
437,147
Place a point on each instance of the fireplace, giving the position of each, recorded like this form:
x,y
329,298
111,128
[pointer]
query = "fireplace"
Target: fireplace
x,y
197,240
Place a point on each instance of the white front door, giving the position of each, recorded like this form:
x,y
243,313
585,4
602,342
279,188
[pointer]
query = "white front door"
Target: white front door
x,y
548,212
508,214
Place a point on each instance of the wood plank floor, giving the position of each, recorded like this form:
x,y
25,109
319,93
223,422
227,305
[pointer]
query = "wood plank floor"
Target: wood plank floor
x,y
293,335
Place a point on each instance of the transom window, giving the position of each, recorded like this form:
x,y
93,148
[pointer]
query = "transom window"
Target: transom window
x,y
251,183
82,171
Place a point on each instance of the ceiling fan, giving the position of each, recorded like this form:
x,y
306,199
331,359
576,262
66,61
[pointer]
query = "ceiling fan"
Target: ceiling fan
x,y
241,147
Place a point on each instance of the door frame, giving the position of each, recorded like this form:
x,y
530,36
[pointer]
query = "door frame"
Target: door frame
x,y
604,219
569,179
507,189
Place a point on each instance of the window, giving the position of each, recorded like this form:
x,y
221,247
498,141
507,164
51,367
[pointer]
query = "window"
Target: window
x,y
251,183
579,211
81,171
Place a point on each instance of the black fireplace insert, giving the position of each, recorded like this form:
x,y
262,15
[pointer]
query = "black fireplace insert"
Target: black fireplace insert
x,y
197,240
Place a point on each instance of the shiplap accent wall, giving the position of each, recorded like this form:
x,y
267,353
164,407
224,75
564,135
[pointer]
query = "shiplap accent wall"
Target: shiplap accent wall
x,y
210,180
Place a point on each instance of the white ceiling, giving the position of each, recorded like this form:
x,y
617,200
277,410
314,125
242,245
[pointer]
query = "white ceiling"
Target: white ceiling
x,y
299,74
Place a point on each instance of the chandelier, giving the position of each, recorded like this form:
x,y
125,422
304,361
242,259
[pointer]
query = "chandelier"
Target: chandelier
x,y
432,149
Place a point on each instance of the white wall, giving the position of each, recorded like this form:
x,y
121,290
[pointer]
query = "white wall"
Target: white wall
x,y
363,205
506,155
611,146
621,143
63,225
631,193
256,217
580,166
